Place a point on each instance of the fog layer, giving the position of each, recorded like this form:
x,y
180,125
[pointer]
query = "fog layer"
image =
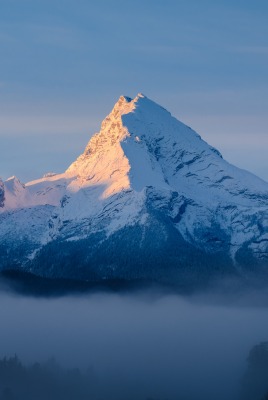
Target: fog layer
x,y
140,345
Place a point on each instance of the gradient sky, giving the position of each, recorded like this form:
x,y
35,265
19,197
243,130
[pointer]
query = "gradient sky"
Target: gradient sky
x,y
64,63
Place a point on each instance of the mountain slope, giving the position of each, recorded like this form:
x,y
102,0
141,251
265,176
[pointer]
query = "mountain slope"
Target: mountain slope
x,y
148,199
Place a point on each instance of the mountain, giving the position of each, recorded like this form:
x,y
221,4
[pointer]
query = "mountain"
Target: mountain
x,y
148,200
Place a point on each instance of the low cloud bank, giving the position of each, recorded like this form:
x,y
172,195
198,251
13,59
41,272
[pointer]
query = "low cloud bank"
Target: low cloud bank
x,y
139,345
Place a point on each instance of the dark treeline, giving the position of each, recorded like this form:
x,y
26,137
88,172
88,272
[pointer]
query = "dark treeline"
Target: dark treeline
x,y
47,381
50,381
255,380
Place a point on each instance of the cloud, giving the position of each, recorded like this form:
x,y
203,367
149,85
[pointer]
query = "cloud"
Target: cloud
x,y
258,50
168,50
140,345
57,36
45,124
46,34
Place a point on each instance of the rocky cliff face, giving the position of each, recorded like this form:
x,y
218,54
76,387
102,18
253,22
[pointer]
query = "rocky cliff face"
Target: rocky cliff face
x,y
148,199
2,194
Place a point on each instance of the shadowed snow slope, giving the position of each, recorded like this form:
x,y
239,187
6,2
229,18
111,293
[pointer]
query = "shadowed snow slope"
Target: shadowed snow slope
x,y
148,199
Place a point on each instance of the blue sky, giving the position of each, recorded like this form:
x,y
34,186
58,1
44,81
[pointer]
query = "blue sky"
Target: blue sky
x,y
63,64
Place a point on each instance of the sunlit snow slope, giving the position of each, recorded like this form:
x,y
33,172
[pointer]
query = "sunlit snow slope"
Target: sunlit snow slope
x,y
148,199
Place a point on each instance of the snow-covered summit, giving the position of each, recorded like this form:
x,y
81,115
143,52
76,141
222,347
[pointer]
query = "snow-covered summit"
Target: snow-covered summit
x,y
146,180
140,144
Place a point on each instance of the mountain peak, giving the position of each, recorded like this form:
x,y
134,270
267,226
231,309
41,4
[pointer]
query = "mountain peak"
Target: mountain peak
x,y
12,178
126,104
124,98
147,184
14,185
140,144
117,157
13,181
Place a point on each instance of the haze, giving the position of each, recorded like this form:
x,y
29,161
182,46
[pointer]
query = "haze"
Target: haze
x,y
140,345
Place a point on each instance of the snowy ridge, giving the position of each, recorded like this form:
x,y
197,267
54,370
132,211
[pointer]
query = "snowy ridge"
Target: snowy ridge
x,y
144,174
